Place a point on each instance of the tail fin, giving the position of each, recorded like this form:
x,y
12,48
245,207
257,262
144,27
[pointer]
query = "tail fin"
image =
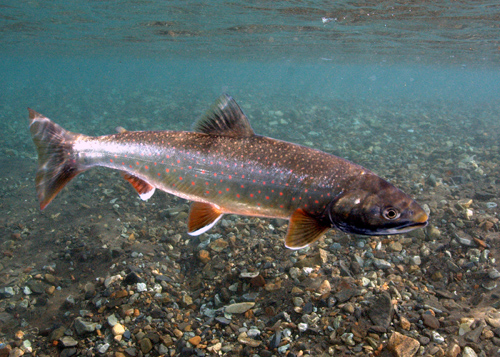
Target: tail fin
x,y
57,163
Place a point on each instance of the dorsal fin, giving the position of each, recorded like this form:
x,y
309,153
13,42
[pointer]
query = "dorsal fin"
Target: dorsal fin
x,y
226,118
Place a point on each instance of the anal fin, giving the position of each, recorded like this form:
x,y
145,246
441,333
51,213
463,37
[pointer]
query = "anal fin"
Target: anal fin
x,y
303,230
144,189
202,217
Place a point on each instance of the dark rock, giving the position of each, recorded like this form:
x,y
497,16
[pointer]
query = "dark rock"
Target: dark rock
x,y
146,345
344,295
67,352
381,311
131,278
275,340
430,321
36,287
308,308
473,335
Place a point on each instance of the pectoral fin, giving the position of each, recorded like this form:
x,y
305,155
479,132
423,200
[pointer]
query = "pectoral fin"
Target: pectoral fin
x,y
303,230
144,189
202,217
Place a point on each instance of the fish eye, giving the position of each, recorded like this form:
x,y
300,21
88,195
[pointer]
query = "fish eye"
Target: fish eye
x,y
390,213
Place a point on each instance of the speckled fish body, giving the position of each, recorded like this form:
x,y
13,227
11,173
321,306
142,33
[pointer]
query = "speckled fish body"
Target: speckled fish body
x,y
225,168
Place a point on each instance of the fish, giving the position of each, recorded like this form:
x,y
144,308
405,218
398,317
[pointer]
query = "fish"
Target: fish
x,y
225,168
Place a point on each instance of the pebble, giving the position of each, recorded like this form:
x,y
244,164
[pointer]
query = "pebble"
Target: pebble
x,y
469,352
348,339
112,320
146,345
325,287
302,327
68,341
195,340
381,310
141,287
381,264
239,308
430,321
402,346
7,292
118,329
82,326
404,323
436,337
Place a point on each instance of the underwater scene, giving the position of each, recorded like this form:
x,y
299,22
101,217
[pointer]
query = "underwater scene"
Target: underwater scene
x,y
305,178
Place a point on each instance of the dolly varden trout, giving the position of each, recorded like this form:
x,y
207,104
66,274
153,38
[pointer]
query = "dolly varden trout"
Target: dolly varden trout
x,y
225,168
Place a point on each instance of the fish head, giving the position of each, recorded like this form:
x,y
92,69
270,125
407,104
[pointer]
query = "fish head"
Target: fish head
x,y
372,206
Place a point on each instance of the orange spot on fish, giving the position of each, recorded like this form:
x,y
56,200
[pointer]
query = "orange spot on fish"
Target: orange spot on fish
x,y
146,167
251,195
220,192
192,183
227,189
123,163
281,193
155,163
242,186
238,195
137,162
264,182
215,174
230,177
180,178
267,197
168,170
110,160
130,166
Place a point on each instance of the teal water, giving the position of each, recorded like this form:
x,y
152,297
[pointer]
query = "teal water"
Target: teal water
x,y
333,71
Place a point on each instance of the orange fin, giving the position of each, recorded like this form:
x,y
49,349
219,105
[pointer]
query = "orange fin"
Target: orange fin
x,y
121,129
303,230
144,189
202,217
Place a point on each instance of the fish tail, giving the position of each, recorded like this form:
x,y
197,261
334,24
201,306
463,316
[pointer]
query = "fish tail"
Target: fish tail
x,y
57,163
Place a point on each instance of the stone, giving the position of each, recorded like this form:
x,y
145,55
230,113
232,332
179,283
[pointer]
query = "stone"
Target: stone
x,y
146,345
430,321
195,340
469,352
218,245
239,308
436,337
245,340
404,323
118,329
82,326
112,320
453,350
402,346
57,333
381,310
395,246
344,295
324,288
381,264
68,341
204,256
7,292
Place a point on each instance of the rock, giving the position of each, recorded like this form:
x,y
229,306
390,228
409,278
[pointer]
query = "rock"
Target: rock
x,y
453,350
469,352
82,326
404,323
325,287
348,307
141,287
89,290
7,292
146,345
239,308
118,329
57,334
436,337
112,320
302,327
195,340
402,346
204,256
36,287
68,341
245,340
395,246
381,310
430,321
348,339
344,295
218,245
381,264
473,335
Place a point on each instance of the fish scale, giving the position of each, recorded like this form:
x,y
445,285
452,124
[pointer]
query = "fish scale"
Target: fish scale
x,y
224,167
